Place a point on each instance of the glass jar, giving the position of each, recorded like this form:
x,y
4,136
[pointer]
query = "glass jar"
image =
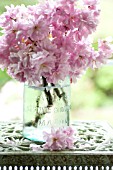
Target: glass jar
x,y
45,107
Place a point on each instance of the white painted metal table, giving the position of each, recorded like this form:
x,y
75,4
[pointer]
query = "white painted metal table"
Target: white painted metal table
x,y
93,149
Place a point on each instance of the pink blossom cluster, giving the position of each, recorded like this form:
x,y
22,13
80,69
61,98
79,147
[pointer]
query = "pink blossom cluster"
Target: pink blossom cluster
x,y
57,139
50,39
60,139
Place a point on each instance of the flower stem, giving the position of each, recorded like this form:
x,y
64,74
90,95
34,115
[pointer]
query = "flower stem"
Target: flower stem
x,y
47,92
61,95
50,97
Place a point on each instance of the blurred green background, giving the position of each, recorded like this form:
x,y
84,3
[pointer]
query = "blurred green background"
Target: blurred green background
x,y
92,95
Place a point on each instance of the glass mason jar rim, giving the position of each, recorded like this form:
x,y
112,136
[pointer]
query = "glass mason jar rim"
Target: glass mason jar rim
x,y
48,87
60,84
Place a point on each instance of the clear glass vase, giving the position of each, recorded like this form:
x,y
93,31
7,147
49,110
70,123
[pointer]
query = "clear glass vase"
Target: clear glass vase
x,y
45,107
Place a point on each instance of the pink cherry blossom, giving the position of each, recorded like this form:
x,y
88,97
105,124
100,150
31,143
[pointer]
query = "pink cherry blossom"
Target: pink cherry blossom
x,y
60,139
87,21
43,62
69,131
36,147
4,53
92,4
50,39
106,47
38,28
54,140
57,139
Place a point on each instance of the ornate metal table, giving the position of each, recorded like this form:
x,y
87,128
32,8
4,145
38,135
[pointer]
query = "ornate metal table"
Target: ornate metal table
x,y
93,149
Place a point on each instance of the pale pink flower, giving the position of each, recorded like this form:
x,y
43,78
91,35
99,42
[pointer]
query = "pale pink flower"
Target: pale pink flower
x,y
39,28
50,39
70,139
92,4
54,140
43,62
12,15
57,139
60,139
58,73
4,53
69,131
87,20
20,66
60,69
105,47
35,147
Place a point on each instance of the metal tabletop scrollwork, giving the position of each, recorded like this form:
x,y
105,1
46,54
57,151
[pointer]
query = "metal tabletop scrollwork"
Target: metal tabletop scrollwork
x,y
92,136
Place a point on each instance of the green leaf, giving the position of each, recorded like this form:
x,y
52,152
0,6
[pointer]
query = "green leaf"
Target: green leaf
x,y
15,2
3,78
95,45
